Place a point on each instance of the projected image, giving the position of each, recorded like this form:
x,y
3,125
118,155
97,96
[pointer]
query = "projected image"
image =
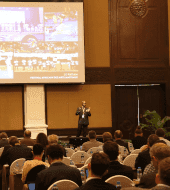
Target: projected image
x,y
61,26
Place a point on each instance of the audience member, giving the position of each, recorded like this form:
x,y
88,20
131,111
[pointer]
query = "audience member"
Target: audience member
x,y
144,158
115,168
53,139
57,170
4,140
107,136
161,134
97,169
16,151
37,160
163,175
118,135
158,152
27,139
92,141
139,140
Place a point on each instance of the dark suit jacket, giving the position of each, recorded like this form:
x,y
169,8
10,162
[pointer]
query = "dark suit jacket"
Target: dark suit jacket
x,y
84,120
3,142
122,143
143,160
27,141
148,180
3,159
16,152
138,142
160,188
116,168
57,171
96,184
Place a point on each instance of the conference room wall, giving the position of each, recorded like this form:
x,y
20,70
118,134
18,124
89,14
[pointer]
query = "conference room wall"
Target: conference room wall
x,y
62,102
11,107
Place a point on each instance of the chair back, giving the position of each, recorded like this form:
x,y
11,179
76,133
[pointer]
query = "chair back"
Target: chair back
x,y
88,160
94,150
136,151
17,166
142,146
77,157
124,181
123,151
30,147
1,150
64,184
15,182
69,152
32,174
130,160
66,160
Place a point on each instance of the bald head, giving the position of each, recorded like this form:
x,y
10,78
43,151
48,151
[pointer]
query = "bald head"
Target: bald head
x,y
84,103
27,133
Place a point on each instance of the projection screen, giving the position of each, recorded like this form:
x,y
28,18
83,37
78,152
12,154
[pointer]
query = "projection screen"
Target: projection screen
x,y
41,42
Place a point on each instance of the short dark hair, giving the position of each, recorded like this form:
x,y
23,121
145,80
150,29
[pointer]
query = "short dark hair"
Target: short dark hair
x,y
99,163
37,149
138,131
118,134
3,135
107,136
55,151
42,139
92,134
152,139
160,132
13,140
27,133
164,170
111,149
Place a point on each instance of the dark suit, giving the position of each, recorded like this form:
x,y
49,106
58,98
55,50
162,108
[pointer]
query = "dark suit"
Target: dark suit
x,y
96,184
3,159
143,160
83,122
122,143
57,171
3,142
148,180
27,141
116,168
16,152
160,187
138,142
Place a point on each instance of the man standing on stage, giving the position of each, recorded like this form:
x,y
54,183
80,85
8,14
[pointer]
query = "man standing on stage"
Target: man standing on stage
x,y
83,122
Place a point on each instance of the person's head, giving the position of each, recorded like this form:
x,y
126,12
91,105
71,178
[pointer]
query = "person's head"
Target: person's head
x,y
42,139
3,135
52,139
13,140
111,149
107,136
138,132
27,133
160,132
158,152
83,103
92,135
163,176
118,134
38,150
152,139
54,152
99,165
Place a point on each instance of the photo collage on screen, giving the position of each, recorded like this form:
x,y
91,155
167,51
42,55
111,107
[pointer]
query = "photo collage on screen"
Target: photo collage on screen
x,y
32,40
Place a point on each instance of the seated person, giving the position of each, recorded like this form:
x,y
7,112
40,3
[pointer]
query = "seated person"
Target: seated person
x,y
118,135
92,142
115,168
27,139
4,140
57,170
139,140
144,158
161,134
37,160
97,169
163,175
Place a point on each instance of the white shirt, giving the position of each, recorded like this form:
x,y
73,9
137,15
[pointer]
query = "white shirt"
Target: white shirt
x,y
167,142
163,185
